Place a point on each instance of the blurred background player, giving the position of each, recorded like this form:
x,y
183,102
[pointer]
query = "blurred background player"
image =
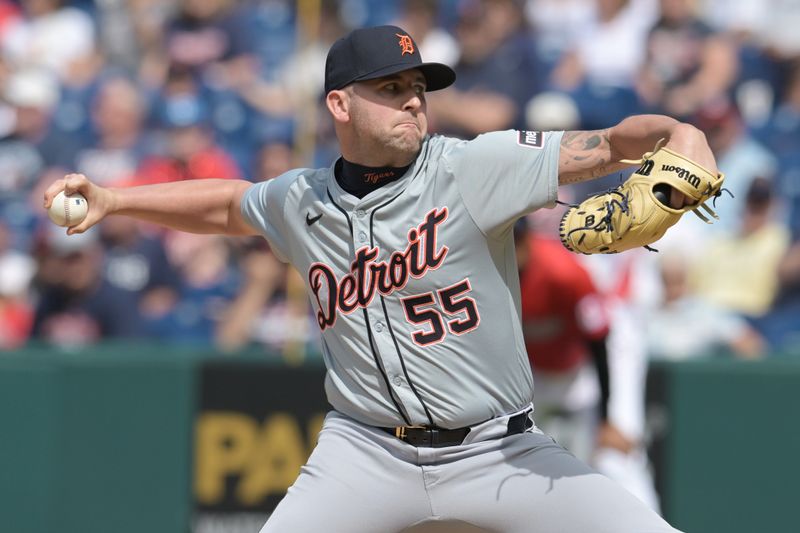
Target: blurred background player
x,y
565,327
588,360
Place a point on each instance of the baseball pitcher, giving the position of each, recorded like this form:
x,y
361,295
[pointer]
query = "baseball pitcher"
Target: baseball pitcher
x,y
406,247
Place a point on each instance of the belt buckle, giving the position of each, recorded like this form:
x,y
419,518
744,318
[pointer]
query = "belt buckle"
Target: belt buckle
x,y
400,431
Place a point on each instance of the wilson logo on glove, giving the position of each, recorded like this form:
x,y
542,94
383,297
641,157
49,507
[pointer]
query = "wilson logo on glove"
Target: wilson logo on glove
x,y
683,174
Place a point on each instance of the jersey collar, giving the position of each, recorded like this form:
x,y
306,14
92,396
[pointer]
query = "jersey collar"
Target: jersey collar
x,y
381,194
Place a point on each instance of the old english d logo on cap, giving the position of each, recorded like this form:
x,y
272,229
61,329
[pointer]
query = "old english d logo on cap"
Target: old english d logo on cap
x,y
371,53
406,44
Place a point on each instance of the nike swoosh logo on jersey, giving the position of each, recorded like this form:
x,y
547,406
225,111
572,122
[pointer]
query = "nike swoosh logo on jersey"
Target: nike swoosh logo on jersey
x,y
310,220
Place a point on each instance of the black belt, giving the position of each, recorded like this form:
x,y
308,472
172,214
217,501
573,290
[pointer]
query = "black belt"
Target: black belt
x,y
434,437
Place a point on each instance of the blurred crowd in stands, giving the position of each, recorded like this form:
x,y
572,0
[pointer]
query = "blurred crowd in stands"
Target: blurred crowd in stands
x,y
146,91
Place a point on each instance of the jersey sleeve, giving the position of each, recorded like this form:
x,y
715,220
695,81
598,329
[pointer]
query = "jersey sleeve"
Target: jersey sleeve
x,y
263,208
506,174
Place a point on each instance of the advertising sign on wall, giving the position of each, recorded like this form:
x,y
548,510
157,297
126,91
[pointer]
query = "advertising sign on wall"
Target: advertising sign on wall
x,y
256,426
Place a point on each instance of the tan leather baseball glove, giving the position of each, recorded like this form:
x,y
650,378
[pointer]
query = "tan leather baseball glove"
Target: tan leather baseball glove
x,y
637,213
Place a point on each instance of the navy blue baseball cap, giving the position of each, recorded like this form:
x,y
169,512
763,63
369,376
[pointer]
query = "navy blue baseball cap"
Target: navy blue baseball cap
x,y
370,53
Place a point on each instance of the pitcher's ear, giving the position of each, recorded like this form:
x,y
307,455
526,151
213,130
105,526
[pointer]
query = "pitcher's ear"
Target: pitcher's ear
x,y
338,102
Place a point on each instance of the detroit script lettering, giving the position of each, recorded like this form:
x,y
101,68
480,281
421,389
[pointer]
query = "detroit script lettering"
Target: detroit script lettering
x,y
357,288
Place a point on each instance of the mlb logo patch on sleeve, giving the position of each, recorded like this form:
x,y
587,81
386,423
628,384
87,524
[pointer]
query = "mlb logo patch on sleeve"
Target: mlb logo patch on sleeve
x,y
533,139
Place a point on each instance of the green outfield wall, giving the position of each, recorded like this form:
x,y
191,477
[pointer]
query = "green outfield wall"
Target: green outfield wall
x,y
164,440
96,442
729,436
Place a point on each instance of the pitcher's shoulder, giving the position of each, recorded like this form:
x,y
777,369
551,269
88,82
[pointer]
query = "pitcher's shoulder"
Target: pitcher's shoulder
x,y
439,144
299,177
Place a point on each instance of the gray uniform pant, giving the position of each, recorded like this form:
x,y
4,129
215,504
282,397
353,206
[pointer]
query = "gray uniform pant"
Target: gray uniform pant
x,y
362,480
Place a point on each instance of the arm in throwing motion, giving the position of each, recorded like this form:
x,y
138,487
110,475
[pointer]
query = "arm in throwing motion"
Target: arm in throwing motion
x,y
195,206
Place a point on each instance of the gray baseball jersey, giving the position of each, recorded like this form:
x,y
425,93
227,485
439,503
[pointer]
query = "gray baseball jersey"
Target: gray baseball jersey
x,y
416,292
415,286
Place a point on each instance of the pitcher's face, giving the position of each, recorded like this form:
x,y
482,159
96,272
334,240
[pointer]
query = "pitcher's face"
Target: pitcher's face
x,y
390,113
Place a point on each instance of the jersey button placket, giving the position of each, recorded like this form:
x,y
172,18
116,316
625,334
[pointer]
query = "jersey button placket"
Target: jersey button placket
x,y
360,235
394,366
381,334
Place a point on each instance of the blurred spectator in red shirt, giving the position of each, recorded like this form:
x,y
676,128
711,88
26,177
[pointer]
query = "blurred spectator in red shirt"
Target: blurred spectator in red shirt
x,y
16,313
565,326
191,151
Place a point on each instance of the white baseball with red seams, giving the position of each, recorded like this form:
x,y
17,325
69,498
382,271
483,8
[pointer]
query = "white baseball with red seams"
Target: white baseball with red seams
x,y
68,210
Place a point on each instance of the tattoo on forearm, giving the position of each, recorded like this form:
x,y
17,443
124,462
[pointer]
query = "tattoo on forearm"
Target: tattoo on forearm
x,y
585,155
